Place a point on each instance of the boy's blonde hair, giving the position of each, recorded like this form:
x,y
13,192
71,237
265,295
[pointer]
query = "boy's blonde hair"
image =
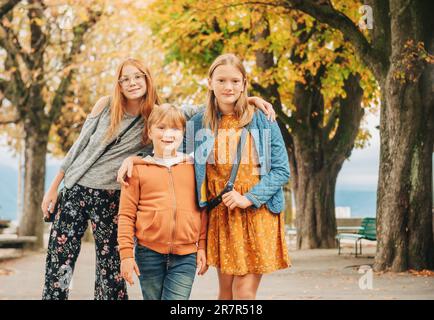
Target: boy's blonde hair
x,y
243,111
168,114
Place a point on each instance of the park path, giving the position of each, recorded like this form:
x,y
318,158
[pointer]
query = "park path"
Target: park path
x,y
316,274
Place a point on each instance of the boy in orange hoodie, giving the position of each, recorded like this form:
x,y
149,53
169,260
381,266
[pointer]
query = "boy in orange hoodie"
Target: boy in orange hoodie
x,y
158,207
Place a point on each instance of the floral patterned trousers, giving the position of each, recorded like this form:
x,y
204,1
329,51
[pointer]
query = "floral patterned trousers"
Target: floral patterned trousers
x,y
80,204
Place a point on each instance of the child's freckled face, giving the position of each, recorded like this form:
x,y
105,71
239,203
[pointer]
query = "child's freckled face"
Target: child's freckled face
x,y
227,82
166,139
133,83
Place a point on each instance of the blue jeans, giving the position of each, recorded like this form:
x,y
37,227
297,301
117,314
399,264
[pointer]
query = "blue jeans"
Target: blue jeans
x,y
165,276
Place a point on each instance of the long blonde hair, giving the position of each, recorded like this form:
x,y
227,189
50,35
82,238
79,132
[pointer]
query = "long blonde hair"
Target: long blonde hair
x,y
243,111
119,101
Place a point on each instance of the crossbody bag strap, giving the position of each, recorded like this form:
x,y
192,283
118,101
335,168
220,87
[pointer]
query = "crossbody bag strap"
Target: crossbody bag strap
x,y
119,137
240,147
230,184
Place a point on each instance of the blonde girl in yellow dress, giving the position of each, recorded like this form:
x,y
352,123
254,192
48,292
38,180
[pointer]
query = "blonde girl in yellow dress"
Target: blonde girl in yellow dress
x,y
246,230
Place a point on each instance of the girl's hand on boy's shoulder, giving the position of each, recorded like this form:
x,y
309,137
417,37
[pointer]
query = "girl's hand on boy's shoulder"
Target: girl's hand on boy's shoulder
x,y
201,262
128,267
126,169
233,199
264,106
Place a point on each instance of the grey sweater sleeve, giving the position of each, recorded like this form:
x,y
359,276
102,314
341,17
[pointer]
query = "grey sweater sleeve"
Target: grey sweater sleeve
x,y
86,132
190,110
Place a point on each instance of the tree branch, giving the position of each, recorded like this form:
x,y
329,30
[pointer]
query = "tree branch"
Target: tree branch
x,y
327,14
380,33
303,39
10,42
331,123
38,38
9,121
3,85
350,114
8,6
68,59
14,89
324,12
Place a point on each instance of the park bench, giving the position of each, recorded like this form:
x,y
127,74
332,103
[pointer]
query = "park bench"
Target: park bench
x,y
8,241
367,231
4,224
348,225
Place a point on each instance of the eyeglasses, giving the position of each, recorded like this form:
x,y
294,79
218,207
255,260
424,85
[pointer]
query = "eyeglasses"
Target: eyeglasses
x,y
138,77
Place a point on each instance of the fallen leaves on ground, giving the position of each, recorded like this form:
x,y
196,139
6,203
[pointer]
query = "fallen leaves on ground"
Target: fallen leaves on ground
x,y
422,273
5,272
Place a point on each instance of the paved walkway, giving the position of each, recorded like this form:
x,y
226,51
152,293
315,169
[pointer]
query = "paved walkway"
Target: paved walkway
x,y
316,274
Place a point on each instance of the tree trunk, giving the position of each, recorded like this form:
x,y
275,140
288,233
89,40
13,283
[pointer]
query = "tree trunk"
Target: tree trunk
x,y
315,161
404,203
31,222
395,56
315,199
25,91
405,180
319,158
404,190
20,183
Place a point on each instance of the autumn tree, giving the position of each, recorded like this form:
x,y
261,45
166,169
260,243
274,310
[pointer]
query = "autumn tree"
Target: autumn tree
x,y
7,6
397,51
312,83
119,34
320,138
37,87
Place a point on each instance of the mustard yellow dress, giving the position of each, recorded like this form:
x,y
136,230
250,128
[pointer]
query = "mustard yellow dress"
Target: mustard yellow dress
x,y
241,241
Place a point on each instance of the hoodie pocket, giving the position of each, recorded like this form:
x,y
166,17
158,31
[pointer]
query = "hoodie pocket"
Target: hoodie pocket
x,y
153,226
188,225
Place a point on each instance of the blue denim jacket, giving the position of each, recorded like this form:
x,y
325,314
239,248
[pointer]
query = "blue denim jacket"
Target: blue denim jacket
x,y
273,160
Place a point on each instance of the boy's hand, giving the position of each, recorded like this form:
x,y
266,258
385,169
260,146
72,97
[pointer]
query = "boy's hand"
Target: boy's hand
x,y
128,266
201,262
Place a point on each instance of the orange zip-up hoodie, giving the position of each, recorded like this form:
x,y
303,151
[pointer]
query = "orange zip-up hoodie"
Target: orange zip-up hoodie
x,y
159,208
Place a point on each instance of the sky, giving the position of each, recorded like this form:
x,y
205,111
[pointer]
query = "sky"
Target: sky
x,y
360,171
